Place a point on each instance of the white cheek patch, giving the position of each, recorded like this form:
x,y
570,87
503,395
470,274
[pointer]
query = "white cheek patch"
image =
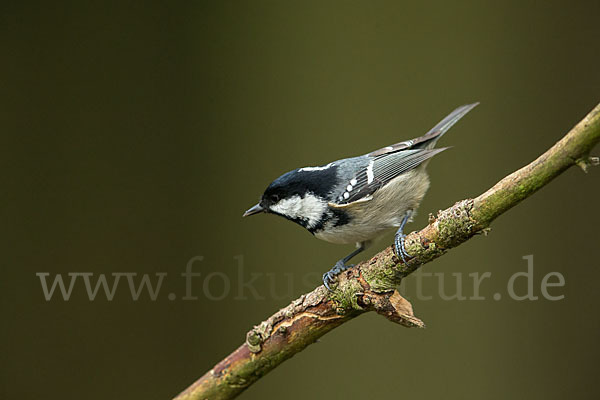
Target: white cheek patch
x,y
309,208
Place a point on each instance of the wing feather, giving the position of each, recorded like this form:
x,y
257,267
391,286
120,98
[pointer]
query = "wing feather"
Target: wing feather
x,y
379,171
381,166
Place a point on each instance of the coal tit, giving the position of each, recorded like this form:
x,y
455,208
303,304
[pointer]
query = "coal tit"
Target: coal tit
x,y
354,200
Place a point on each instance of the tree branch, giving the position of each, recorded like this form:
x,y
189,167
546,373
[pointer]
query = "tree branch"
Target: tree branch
x,y
370,286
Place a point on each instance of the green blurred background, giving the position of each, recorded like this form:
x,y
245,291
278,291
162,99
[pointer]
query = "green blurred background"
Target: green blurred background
x,y
134,135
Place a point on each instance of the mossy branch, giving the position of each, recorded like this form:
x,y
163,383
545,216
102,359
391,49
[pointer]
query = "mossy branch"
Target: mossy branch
x,y
370,286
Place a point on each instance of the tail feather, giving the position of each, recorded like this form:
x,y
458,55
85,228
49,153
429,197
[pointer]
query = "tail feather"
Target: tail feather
x,y
442,127
428,140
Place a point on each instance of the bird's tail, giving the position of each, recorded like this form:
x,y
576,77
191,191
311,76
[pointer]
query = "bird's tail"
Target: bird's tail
x,y
429,139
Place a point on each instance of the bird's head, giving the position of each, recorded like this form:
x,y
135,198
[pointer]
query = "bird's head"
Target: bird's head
x,y
299,195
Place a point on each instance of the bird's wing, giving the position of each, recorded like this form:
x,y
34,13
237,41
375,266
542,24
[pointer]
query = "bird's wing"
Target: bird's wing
x,y
378,172
381,166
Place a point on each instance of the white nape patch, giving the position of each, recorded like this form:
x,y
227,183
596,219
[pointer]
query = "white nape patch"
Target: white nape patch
x,y
370,176
353,182
316,168
309,208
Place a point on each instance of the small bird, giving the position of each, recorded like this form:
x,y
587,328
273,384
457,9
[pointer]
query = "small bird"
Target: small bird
x,y
355,200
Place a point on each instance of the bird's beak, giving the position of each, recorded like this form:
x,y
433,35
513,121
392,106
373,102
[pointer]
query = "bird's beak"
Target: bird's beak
x,y
254,210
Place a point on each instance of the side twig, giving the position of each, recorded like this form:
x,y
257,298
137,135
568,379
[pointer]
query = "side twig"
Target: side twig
x,y
370,286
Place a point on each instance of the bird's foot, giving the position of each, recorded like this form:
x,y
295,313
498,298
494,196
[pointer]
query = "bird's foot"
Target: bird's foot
x,y
399,246
329,276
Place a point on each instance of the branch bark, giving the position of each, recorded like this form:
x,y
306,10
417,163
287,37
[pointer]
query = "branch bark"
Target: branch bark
x,y
370,286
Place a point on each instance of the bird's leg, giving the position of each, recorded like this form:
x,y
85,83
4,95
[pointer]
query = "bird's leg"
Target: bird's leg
x,y
329,276
399,239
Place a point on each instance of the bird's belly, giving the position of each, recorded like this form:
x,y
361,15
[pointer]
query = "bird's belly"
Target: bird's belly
x,y
383,212
351,233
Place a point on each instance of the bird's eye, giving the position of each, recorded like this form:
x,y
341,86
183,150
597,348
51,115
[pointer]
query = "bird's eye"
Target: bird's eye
x,y
274,198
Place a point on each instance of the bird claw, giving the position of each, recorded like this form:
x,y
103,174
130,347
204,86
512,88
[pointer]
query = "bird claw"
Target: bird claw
x,y
329,276
399,247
